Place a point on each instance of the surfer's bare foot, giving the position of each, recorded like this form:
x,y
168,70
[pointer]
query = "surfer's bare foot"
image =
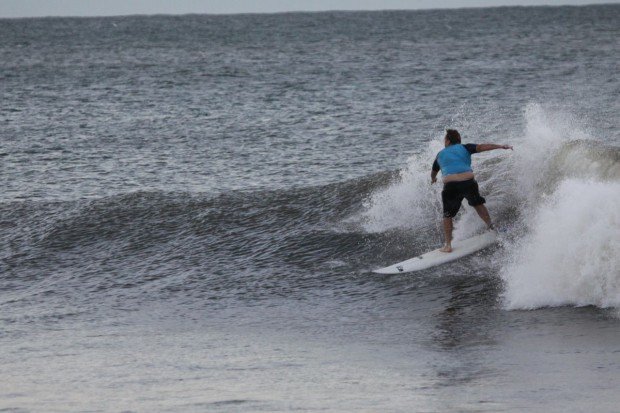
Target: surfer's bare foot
x,y
446,248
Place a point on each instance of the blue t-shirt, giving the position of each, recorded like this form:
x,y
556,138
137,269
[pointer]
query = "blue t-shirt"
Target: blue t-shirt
x,y
454,159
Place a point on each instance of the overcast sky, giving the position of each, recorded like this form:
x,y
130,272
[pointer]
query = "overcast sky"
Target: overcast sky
x,y
35,8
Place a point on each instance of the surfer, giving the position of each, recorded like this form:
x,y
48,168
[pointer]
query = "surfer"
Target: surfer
x,y
454,161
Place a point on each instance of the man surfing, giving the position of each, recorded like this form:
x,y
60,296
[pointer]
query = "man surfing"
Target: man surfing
x,y
454,161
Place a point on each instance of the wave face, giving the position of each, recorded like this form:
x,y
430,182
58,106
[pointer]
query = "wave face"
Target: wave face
x,y
244,245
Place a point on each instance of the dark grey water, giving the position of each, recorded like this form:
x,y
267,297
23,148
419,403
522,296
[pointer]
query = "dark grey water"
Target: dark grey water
x,y
191,207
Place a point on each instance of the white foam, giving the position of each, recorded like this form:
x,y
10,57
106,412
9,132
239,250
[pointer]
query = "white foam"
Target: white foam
x,y
545,132
568,195
571,254
411,201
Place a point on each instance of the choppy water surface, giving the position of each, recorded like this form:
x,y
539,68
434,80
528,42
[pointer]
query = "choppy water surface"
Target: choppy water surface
x,y
192,205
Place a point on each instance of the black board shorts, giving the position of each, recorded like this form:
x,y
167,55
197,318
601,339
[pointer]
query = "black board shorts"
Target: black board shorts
x,y
453,194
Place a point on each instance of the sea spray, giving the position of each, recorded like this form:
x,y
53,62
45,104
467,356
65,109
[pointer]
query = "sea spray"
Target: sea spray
x,y
545,133
410,201
568,248
571,254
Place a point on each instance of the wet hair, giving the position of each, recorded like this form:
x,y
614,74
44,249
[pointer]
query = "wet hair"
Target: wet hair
x,y
453,136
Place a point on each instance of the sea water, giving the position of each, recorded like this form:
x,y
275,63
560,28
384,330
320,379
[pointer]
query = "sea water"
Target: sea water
x,y
191,208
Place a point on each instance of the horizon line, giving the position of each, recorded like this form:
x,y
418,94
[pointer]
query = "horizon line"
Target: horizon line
x,y
422,9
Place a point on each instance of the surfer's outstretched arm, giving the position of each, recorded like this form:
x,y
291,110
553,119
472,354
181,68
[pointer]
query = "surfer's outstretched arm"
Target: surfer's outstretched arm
x,y
483,147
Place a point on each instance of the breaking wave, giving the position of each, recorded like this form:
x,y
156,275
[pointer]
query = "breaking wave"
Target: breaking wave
x,y
557,193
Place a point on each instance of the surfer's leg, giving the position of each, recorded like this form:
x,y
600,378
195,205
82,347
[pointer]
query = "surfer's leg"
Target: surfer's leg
x,y
447,230
477,201
483,212
451,199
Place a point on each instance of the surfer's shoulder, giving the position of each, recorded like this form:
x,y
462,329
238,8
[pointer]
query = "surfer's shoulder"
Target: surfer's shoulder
x,y
471,147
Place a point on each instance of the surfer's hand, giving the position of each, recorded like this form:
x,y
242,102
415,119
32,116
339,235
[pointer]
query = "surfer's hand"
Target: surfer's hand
x,y
433,180
507,147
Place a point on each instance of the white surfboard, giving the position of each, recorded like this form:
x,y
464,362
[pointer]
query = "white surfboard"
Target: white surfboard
x,y
430,259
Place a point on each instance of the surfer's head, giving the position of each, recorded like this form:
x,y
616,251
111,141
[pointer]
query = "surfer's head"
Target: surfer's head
x,y
452,137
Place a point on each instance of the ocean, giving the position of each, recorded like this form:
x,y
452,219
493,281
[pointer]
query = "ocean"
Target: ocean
x,y
192,207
